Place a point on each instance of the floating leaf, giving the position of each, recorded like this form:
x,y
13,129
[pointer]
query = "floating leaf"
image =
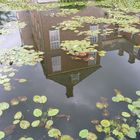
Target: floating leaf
x,y
49,123
138,93
53,112
99,128
91,136
18,115
109,138
1,112
99,105
40,99
37,112
66,137
4,106
26,138
24,124
35,123
105,123
83,133
16,121
22,80
22,98
131,107
14,101
2,135
55,133
12,74
132,133
126,114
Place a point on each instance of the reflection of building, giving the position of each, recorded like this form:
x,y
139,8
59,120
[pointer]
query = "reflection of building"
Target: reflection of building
x,y
60,67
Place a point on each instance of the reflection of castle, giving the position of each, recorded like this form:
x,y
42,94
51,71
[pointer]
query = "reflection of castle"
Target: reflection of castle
x,y
60,67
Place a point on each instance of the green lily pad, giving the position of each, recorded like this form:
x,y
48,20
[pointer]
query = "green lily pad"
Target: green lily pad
x,y
92,136
35,123
40,99
53,112
2,135
131,107
138,93
4,106
99,105
16,121
132,133
83,133
105,123
18,115
26,138
109,138
24,124
49,123
126,114
55,133
66,137
22,80
37,112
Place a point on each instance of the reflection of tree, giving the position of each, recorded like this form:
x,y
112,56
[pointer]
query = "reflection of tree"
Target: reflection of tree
x,y
4,17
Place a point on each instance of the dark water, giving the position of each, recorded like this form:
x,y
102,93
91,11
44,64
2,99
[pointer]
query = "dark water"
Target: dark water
x,y
73,86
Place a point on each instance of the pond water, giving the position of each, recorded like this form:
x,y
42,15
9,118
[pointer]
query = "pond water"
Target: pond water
x,y
73,85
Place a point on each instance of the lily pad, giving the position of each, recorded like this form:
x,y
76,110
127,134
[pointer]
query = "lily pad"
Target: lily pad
x,y
105,123
22,80
83,133
1,112
35,123
2,135
18,115
138,93
126,114
91,136
55,133
66,137
4,106
40,99
24,124
37,112
53,112
16,121
49,123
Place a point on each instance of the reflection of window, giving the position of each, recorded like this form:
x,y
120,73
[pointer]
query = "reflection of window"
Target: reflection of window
x,y
94,38
75,78
54,39
94,55
56,63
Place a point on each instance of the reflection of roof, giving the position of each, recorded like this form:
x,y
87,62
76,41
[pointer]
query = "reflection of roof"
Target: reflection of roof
x,y
117,44
65,78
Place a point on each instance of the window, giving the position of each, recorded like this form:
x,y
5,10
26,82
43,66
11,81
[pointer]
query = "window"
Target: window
x,y
54,39
94,38
56,63
94,55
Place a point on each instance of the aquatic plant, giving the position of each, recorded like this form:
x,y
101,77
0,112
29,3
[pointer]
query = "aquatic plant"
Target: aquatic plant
x,y
12,58
64,13
44,119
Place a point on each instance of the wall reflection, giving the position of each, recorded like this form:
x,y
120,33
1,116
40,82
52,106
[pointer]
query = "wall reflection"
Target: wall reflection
x,y
57,65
